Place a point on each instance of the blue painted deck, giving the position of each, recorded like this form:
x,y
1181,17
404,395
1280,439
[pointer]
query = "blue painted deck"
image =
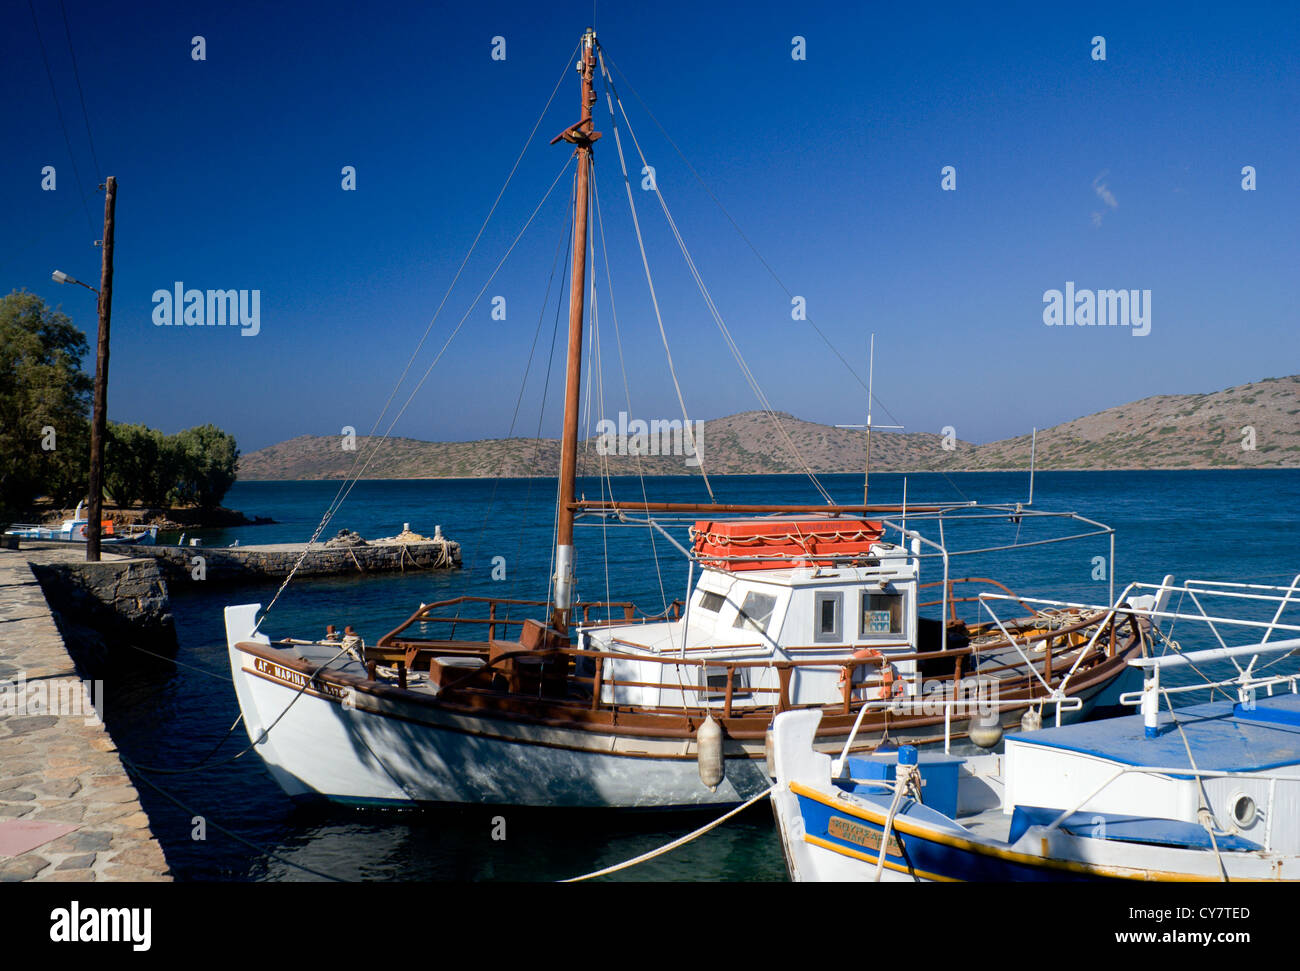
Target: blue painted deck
x,y
1128,829
1222,736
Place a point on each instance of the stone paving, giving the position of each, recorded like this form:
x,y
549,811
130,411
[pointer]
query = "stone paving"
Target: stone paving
x,y
56,768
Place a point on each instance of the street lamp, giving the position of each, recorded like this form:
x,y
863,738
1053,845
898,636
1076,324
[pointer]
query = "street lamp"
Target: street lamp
x,y
99,405
60,277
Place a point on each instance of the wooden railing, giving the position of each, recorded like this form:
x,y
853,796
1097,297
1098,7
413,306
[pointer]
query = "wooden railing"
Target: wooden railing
x,y
953,601
493,621
1059,642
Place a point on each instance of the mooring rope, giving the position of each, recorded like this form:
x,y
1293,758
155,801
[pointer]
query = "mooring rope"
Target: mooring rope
x,y
253,744
668,847
208,821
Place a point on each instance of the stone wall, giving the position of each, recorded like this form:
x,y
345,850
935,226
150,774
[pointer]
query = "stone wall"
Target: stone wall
x,y
111,602
232,564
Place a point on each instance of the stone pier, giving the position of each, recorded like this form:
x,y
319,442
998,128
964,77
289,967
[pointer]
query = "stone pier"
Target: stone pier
x,y
68,810
236,564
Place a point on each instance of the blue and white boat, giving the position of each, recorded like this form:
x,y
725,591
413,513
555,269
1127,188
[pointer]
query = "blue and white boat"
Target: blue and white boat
x,y
74,531
1206,792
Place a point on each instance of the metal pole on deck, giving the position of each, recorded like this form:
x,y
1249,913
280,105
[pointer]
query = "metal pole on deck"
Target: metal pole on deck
x,y
1033,441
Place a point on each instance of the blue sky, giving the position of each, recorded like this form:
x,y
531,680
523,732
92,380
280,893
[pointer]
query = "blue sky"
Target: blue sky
x,y
1122,173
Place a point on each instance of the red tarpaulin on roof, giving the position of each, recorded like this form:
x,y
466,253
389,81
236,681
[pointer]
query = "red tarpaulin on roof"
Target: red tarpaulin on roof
x,y
729,545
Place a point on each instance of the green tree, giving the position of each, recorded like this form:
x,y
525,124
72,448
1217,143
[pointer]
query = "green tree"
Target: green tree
x,y
163,482
130,462
209,461
44,401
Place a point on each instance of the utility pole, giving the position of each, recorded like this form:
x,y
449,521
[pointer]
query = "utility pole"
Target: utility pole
x,y
100,403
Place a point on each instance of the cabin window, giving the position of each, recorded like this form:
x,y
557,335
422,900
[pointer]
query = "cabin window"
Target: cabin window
x,y
828,614
755,612
882,613
711,601
713,682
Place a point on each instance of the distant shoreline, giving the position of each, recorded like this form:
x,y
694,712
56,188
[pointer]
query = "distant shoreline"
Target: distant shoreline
x,y
793,475
1249,426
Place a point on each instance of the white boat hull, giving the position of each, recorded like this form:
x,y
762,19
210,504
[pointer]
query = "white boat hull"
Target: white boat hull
x,y
367,748
344,748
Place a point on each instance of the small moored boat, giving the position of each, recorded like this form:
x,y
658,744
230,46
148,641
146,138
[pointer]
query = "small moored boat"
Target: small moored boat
x,y
74,531
1202,792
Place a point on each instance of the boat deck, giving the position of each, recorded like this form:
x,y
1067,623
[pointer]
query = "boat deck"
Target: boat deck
x,y
1221,739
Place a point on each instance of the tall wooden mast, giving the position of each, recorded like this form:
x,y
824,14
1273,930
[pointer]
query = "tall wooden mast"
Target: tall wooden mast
x,y
582,136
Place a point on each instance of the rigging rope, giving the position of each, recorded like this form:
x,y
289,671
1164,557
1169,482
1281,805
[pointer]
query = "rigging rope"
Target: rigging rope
x,y
541,412
627,390
759,256
560,247
353,476
329,514
654,299
745,370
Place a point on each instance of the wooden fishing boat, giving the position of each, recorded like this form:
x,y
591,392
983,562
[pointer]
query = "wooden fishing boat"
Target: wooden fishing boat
x,y
1196,793
562,702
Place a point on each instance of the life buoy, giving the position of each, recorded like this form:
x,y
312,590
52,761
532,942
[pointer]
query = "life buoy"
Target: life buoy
x,y
887,686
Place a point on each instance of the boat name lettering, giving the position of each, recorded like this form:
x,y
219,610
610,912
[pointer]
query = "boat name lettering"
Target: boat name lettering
x,y
297,679
843,829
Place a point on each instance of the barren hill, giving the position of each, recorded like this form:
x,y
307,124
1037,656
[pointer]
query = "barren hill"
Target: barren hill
x,y
1169,432
1161,432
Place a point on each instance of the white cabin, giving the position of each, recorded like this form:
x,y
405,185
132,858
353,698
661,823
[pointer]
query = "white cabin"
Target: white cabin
x,y
783,613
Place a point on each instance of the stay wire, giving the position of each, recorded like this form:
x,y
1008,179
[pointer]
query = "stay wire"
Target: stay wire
x,y
85,115
732,346
627,389
351,484
58,110
758,255
654,299
345,487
